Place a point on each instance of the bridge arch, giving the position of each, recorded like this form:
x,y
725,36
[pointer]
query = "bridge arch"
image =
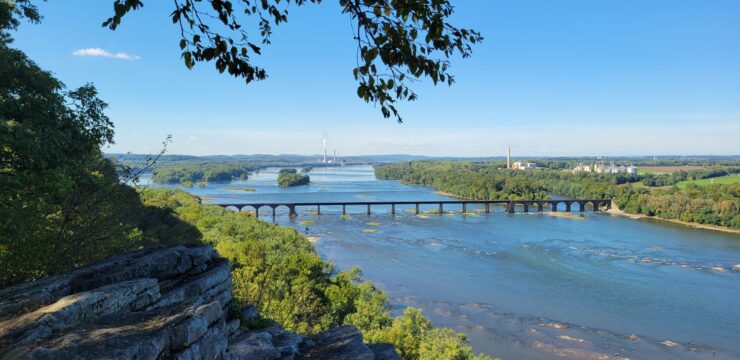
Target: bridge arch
x,y
236,208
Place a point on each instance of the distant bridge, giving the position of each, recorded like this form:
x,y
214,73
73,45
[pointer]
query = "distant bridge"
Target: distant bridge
x,y
511,205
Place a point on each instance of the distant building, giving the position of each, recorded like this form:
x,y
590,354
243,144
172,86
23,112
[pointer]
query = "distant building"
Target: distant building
x,y
524,165
602,168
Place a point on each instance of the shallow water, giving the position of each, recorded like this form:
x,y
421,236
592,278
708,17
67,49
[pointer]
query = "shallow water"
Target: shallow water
x,y
526,285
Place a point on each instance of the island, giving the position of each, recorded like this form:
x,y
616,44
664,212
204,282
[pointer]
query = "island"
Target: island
x,y
289,178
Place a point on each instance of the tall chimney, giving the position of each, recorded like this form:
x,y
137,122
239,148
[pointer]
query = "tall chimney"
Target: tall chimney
x,y
324,143
508,157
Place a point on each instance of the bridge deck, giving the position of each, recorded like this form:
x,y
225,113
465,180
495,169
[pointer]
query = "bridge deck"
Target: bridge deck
x,y
510,204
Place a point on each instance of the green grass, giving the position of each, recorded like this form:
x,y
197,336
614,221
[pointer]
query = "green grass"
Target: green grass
x,y
727,179
645,172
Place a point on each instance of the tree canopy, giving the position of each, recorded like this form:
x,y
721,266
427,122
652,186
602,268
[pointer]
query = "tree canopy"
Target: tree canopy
x,y
61,202
398,41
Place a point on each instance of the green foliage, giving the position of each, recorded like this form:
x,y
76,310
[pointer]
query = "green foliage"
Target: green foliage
x,y
397,41
192,173
62,204
677,177
714,204
416,338
727,179
445,344
276,269
406,333
287,179
467,179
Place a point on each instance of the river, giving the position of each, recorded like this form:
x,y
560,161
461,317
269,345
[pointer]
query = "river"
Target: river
x,y
525,286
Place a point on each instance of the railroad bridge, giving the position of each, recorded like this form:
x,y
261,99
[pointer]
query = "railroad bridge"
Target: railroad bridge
x,y
511,205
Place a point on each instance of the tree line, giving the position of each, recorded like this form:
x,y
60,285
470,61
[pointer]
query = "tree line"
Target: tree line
x,y
202,172
716,204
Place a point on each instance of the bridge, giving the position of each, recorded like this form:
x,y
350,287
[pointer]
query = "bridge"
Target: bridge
x,y
511,205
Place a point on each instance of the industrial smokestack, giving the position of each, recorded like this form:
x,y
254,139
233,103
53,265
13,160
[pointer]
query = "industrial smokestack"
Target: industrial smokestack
x,y
508,157
324,142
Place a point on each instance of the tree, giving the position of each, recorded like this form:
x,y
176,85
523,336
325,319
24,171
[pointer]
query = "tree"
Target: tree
x,y
61,202
398,41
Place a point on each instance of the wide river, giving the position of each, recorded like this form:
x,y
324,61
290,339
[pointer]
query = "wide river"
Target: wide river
x,y
525,286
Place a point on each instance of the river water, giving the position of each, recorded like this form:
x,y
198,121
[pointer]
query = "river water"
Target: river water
x,y
525,286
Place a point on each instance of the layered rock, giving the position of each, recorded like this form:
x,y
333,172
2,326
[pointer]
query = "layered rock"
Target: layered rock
x,y
153,304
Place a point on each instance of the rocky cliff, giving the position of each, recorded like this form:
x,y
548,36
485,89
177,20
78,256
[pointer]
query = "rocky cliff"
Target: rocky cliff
x,y
157,303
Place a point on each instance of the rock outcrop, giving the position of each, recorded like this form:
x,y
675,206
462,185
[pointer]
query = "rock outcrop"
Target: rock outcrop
x,y
160,303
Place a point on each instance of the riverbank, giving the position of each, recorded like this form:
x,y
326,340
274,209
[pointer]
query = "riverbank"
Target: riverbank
x,y
618,212
444,193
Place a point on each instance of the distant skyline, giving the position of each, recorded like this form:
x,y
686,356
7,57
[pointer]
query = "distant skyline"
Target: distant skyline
x,y
552,78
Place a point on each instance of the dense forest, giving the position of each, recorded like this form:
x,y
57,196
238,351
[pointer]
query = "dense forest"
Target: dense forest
x,y
715,204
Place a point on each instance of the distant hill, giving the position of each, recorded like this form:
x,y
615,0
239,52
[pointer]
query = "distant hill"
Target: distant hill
x,y
136,160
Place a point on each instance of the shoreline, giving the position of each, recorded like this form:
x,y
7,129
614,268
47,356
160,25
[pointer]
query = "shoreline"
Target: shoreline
x,y
444,193
615,211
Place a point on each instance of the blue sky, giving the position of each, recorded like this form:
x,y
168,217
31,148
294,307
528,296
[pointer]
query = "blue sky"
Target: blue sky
x,y
553,77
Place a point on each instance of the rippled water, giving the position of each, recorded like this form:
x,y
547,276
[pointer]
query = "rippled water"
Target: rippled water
x,y
526,285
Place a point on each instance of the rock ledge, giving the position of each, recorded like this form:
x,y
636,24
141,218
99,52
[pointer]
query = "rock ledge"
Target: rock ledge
x,y
157,303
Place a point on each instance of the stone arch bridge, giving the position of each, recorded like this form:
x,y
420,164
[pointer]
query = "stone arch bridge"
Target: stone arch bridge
x,y
512,206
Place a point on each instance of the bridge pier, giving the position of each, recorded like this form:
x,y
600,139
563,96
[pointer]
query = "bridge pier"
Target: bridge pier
x,y
510,207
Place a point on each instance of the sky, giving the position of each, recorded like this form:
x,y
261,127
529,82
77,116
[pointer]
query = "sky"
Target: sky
x,y
552,78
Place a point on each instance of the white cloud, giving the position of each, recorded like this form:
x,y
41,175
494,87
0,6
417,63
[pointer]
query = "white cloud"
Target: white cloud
x,y
105,53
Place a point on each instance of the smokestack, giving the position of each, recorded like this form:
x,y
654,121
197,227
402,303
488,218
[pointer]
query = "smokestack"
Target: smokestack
x,y
508,157
324,142
335,156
